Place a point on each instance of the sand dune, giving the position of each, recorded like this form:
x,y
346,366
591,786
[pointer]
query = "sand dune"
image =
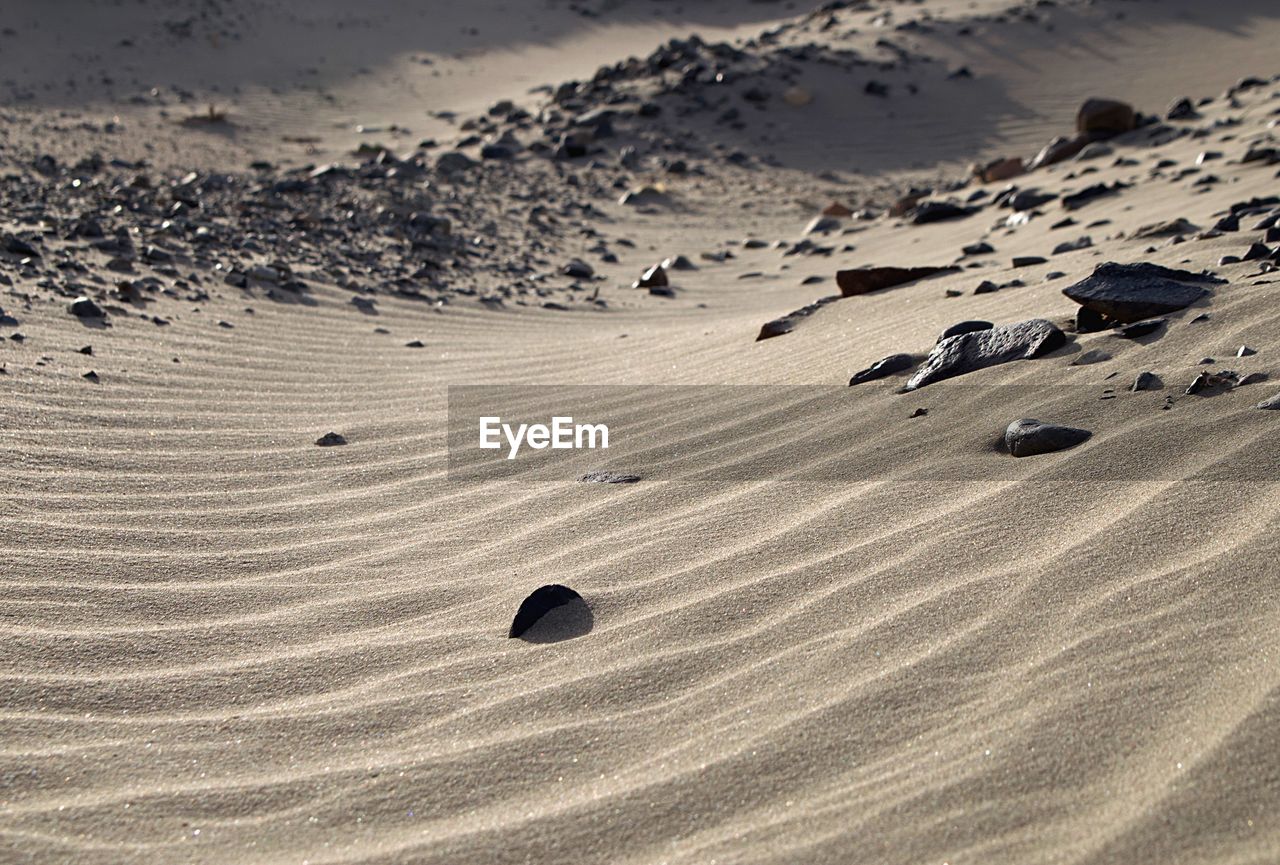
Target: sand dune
x,y
850,636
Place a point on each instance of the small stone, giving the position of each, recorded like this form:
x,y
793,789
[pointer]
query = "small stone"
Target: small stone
x,y
1245,351
605,477
91,376
83,307
981,248
578,269
416,343
538,604
1271,403
884,367
867,279
1028,260
654,277
331,439
1073,245
822,225
1029,437
1092,356
920,412
1140,328
1105,117
1145,381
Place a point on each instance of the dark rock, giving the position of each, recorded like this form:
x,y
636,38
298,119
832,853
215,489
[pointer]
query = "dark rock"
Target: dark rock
x,y
986,287
1145,381
1058,150
1028,260
83,307
981,248
790,321
962,327
1133,292
654,277
1181,109
1029,199
1105,117
866,279
1245,351
1271,403
415,343
938,211
91,376
969,352
883,368
1073,245
1076,200
1257,252
578,269
331,439
605,477
538,604
1141,328
1029,437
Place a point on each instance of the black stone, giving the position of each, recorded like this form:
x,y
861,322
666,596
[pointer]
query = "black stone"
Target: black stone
x,y
331,439
1029,437
538,604
884,367
1133,292
1141,328
603,477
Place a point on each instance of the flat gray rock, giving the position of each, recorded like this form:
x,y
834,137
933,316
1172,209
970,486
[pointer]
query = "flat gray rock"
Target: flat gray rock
x,y
1271,403
603,477
1028,437
1133,292
957,355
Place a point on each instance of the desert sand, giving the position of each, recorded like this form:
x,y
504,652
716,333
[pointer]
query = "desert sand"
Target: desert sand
x,y
850,628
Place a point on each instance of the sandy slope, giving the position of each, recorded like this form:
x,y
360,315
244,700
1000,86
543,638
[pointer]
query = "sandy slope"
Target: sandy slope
x,y
224,644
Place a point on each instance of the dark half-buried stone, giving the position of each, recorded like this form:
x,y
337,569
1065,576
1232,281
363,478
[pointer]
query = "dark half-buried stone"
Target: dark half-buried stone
x,y
791,320
968,352
605,477
965,327
538,604
1029,437
884,367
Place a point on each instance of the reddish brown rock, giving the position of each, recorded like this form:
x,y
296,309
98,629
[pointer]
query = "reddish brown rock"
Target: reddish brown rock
x,y
865,279
1105,117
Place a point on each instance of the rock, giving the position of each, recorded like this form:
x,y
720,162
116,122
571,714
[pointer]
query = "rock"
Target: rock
x,y
1257,252
415,343
1245,351
1165,229
603,477
1133,292
1084,242
1105,117
83,307
986,287
1271,403
91,376
1181,109
836,209
1029,199
788,322
645,196
884,367
331,439
1141,328
865,279
679,262
1001,169
1028,260
965,327
578,269
1076,200
1058,150
453,162
1090,357
980,248
538,604
938,211
654,277
1029,437
822,225
1145,381
1208,382
958,355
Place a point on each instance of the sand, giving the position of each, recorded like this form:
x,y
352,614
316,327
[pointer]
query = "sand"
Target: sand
x,y
222,643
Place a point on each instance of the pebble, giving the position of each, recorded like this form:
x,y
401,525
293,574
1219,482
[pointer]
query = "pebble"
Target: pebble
x,y
1029,437
538,604
883,368
331,439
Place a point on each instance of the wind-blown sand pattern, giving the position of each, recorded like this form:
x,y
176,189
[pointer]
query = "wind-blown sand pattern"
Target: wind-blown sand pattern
x,y
222,643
